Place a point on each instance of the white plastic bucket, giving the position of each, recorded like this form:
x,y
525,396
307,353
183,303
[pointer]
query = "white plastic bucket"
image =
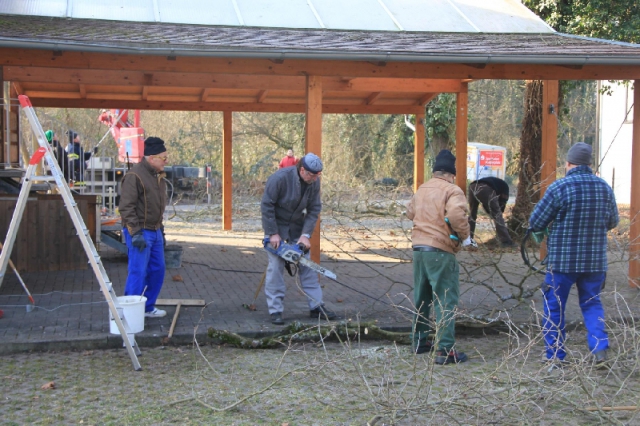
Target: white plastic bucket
x,y
133,311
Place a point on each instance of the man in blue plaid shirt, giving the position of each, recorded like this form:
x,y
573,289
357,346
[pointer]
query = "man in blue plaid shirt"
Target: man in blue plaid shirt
x,y
582,208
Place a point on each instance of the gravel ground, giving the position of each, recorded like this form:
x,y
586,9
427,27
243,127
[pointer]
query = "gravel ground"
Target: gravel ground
x,y
318,383
325,382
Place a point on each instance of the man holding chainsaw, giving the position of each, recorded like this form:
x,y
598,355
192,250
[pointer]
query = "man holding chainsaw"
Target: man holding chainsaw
x,y
582,208
440,228
290,208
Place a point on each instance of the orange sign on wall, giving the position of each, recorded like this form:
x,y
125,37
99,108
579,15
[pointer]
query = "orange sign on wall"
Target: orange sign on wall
x,y
491,158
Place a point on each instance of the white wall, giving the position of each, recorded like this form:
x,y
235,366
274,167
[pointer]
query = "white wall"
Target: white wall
x,y
615,150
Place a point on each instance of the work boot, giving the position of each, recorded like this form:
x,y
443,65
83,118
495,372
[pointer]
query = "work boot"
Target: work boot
x,y
322,312
449,357
424,348
276,318
600,358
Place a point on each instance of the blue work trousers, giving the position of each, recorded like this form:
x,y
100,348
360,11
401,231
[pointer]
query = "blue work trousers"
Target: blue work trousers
x,y
146,267
555,295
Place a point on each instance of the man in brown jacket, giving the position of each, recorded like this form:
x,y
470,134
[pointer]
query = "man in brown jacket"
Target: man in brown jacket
x,y
440,228
142,202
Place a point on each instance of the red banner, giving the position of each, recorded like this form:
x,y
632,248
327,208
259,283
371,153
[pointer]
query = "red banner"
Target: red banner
x,y
491,158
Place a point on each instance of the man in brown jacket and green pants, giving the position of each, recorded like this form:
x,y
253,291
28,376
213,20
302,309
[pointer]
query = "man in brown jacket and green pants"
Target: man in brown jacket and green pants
x,y
440,228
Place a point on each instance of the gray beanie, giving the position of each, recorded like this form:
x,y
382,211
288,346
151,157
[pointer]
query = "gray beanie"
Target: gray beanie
x,y
580,154
311,163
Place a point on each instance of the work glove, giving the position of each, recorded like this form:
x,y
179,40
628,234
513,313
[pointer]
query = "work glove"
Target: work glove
x,y
538,236
138,241
95,150
164,237
469,242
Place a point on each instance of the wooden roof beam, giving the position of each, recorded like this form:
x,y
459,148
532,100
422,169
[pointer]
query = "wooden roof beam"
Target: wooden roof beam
x,y
299,67
51,75
404,85
18,87
71,100
205,95
372,98
426,98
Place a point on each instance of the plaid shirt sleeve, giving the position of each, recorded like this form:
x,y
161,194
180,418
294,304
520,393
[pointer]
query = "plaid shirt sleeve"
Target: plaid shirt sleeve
x,y
545,211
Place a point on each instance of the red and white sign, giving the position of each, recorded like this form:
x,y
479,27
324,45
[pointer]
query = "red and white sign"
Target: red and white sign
x,y
491,158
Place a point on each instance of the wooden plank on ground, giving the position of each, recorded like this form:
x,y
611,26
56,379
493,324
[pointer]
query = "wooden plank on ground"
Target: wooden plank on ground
x,y
175,320
183,302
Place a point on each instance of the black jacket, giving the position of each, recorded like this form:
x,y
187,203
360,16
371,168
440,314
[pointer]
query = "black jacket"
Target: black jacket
x,y
500,187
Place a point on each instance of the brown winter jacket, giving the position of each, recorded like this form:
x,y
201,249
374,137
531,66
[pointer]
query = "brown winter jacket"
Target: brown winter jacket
x,y
433,201
143,198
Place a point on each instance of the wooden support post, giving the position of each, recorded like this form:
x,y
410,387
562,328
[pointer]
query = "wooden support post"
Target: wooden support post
x,y
227,178
549,155
14,129
462,119
4,133
418,153
313,140
634,208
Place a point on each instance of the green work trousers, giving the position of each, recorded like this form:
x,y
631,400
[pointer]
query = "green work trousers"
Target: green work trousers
x,y
435,282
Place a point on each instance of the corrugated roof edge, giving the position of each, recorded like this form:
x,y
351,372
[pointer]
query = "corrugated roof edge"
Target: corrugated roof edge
x,y
282,54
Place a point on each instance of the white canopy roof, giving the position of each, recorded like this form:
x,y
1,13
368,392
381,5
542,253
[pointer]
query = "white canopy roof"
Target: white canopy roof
x,y
465,16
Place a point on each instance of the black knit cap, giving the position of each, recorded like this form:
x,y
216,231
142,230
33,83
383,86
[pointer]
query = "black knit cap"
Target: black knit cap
x,y
153,146
445,162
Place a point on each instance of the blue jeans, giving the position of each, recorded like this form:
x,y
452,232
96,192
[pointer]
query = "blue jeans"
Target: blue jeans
x,y
146,267
555,299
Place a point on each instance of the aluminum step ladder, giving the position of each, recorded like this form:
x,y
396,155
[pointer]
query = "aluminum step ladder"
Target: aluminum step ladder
x,y
45,152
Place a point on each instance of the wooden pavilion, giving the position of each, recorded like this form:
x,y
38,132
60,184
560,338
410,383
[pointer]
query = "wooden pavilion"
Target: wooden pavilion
x,y
314,57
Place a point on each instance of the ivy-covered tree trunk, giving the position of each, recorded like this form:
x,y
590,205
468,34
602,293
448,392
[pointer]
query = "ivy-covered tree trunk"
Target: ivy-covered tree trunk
x,y
530,159
613,20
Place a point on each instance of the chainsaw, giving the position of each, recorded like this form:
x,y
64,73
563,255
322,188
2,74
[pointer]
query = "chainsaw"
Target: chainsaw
x,y
294,253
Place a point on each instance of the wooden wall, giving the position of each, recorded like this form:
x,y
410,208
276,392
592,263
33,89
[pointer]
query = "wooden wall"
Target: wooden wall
x,y
47,239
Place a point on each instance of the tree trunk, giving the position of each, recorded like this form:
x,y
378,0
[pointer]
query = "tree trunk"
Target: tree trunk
x,y
530,159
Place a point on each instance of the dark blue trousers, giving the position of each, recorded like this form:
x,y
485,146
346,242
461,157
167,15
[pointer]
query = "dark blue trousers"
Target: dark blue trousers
x,y
146,267
555,299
